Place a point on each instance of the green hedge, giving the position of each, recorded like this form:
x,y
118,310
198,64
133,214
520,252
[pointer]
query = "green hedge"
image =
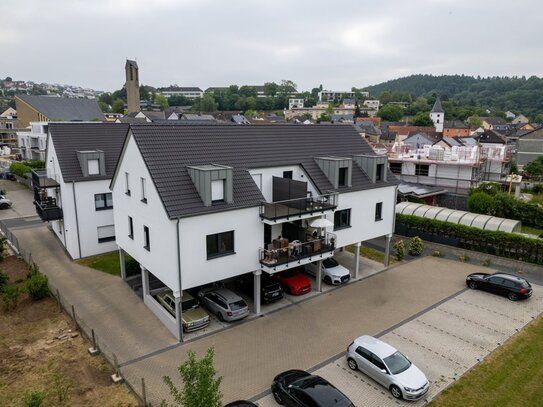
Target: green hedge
x,y
486,241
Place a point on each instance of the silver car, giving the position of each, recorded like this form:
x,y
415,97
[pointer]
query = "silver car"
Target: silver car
x,y
227,305
387,366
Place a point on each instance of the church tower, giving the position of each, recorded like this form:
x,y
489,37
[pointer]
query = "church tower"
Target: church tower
x,y
132,86
438,115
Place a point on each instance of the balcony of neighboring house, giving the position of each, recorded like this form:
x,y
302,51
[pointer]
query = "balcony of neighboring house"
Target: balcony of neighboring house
x,y
46,205
298,208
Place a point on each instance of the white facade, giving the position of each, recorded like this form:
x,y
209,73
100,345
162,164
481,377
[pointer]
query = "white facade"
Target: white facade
x,y
33,144
372,104
295,103
439,119
84,230
188,93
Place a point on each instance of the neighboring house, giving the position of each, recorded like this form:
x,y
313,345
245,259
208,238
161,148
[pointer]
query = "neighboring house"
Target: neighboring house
x,y
240,119
371,104
295,103
316,111
73,191
520,119
490,123
420,139
188,92
529,147
437,114
31,145
331,95
343,118
348,103
196,205
509,115
31,108
9,124
456,128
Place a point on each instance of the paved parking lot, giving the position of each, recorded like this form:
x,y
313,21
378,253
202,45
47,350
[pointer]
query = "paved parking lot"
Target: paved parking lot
x,y
443,342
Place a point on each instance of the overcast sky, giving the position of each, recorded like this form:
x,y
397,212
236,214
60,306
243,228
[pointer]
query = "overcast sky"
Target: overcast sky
x,y
338,44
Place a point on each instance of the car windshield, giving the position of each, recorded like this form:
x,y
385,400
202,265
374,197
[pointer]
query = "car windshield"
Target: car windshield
x,y
397,363
189,304
329,263
234,306
525,284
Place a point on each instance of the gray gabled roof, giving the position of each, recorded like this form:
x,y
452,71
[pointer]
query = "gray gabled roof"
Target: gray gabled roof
x,y
68,138
65,109
437,106
167,150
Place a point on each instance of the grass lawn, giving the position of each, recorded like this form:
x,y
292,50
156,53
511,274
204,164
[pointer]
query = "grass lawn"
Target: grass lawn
x,y
372,254
108,263
511,376
531,231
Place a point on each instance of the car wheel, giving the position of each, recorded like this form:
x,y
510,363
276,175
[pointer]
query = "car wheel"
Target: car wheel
x,y
4,206
472,285
327,280
220,316
396,392
512,296
277,397
352,364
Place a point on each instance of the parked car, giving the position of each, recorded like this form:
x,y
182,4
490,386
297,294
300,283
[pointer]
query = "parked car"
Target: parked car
x,y
5,203
387,366
194,317
511,286
332,272
294,282
270,288
241,403
298,388
226,304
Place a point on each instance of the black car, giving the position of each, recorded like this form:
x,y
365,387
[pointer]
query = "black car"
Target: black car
x,y
501,283
295,388
270,289
241,403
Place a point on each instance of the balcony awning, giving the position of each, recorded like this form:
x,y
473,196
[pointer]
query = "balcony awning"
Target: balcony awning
x,y
419,190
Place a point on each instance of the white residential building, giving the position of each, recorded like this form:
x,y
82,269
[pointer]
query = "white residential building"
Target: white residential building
x,y
188,92
199,204
73,191
32,144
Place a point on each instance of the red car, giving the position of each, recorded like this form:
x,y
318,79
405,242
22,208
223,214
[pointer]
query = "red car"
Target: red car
x,y
294,282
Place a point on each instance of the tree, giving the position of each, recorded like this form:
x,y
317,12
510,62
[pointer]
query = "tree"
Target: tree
x,y
270,89
104,106
117,106
474,121
422,119
205,104
534,168
162,101
391,113
479,202
200,386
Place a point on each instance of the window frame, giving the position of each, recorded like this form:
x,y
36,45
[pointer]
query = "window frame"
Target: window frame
x,y
104,196
108,238
288,174
341,225
343,175
127,183
422,170
146,238
131,227
143,191
96,170
378,211
220,253
395,169
379,172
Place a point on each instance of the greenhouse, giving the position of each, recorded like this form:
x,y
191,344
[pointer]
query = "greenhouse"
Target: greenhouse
x,y
475,220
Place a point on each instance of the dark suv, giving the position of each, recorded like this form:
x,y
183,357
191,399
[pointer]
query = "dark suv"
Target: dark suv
x,y
270,289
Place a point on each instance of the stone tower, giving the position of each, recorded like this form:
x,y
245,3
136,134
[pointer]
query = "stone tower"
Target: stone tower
x,y
438,115
132,86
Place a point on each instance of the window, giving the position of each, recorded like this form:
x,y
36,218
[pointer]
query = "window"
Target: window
x,y
93,166
103,201
396,168
143,196
366,354
342,219
106,233
146,238
217,190
220,244
379,172
378,362
287,174
130,227
342,181
378,211
422,169
127,183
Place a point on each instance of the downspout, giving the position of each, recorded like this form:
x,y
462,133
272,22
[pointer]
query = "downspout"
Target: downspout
x,y
76,220
179,276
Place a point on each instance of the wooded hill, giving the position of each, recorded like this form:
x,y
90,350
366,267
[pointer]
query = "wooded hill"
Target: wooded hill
x,y
517,94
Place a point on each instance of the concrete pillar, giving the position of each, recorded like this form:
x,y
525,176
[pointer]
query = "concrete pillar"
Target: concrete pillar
x,y
179,314
256,291
319,276
144,282
123,264
388,238
356,259
517,190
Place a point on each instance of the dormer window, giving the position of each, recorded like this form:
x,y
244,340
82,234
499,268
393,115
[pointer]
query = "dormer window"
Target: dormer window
x,y
217,190
342,180
214,183
93,167
338,170
92,162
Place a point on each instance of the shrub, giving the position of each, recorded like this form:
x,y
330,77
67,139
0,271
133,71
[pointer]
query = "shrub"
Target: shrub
x,y
399,248
3,281
20,169
485,262
33,269
36,286
464,257
489,188
10,297
437,253
481,202
537,189
34,399
415,246
3,241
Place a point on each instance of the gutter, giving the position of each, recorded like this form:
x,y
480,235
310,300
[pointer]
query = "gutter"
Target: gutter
x,y
76,220
179,276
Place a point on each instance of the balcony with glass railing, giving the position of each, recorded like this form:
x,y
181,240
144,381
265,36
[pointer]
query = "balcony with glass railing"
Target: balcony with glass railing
x,y
299,208
46,205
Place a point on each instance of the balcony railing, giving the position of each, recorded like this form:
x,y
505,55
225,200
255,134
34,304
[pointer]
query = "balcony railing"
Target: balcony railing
x,y
48,210
296,250
46,206
297,207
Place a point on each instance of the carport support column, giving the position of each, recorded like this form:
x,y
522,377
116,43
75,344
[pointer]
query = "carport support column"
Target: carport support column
x,y
178,315
144,282
388,238
123,264
257,291
319,276
356,259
